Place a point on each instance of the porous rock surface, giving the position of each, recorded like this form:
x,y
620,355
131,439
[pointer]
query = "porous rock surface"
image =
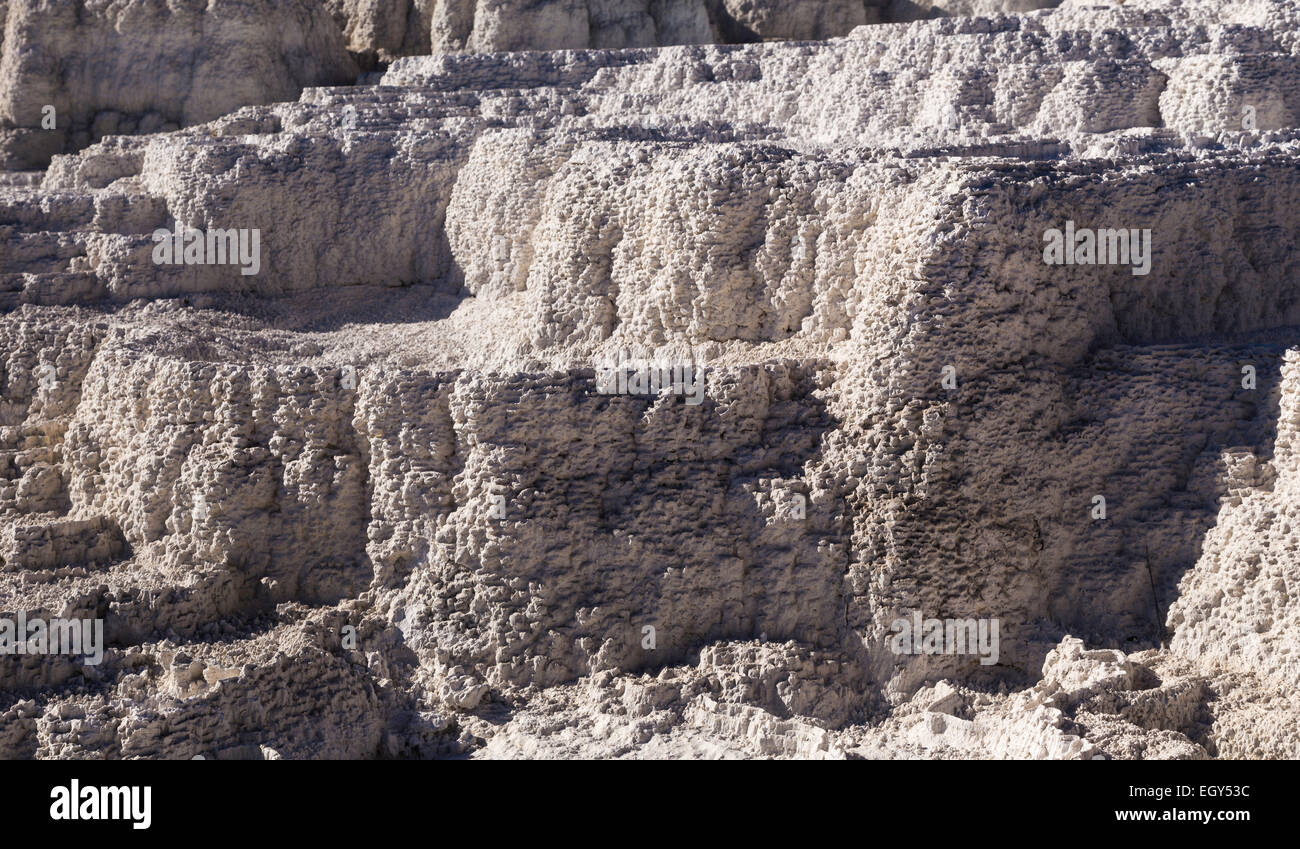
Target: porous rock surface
x,y
369,501
75,71
390,28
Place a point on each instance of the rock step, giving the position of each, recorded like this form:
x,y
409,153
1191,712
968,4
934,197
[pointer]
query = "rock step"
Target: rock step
x,y
51,544
13,462
49,288
36,210
42,252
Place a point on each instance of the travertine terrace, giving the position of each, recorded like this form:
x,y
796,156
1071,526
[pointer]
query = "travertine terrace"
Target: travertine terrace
x,y
369,497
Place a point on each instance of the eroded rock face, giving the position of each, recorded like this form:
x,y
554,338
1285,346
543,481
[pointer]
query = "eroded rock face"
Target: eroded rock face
x,y
72,73
75,71
394,28
419,27
389,467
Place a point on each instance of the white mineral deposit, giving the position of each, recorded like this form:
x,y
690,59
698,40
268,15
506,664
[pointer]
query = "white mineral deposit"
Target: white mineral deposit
x,y
650,379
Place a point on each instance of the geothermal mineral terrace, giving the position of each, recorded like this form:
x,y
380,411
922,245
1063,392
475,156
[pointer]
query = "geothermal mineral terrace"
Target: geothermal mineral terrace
x,y
649,379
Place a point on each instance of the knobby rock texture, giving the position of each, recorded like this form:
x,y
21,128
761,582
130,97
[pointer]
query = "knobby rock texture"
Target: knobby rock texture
x,y
372,502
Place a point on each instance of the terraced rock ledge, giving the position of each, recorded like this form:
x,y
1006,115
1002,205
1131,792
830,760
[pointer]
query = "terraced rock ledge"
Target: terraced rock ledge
x,y
376,500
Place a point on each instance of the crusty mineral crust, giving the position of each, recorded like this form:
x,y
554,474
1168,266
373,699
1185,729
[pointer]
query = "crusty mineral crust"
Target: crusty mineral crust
x,y
370,502
110,67
393,28
73,72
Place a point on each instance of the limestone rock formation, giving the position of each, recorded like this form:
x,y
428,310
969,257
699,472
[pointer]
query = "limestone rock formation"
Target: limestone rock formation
x,y
640,403
75,71
419,27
